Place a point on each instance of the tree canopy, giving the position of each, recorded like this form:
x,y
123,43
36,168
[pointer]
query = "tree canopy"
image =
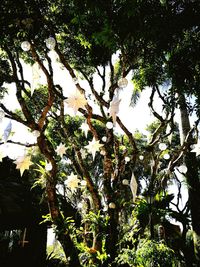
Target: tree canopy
x,y
107,192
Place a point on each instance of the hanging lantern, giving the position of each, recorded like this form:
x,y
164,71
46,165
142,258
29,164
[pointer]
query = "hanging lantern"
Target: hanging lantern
x,y
48,167
162,146
50,43
122,83
125,182
166,156
36,133
141,157
127,159
112,205
109,125
182,169
26,46
80,205
104,138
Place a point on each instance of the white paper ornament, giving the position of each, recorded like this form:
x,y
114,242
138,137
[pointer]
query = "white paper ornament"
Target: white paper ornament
x,y
196,148
75,101
122,83
35,77
48,166
141,157
61,149
162,146
104,139
166,156
114,108
133,186
80,205
23,163
68,161
50,43
83,183
182,169
72,182
112,205
125,182
26,46
85,128
127,159
109,125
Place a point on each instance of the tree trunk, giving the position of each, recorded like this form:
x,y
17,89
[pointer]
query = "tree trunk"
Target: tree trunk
x,y
192,177
62,233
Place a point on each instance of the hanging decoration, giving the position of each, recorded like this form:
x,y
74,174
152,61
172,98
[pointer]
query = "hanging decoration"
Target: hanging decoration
x,y
61,149
93,147
7,132
122,83
109,125
182,169
166,156
114,108
48,166
125,182
133,186
26,46
85,128
72,182
104,139
50,43
35,77
112,205
2,155
141,157
196,148
162,146
76,101
127,159
23,163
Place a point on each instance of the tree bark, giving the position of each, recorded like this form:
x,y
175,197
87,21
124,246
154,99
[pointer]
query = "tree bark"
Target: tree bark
x,y
192,177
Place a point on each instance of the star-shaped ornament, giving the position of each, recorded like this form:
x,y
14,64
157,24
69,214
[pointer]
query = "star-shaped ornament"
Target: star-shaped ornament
x,y
61,150
196,148
114,108
76,101
72,182
23,163
93,147
85,128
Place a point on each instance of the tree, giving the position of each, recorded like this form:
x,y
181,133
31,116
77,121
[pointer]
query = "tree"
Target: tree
x,y
86,36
